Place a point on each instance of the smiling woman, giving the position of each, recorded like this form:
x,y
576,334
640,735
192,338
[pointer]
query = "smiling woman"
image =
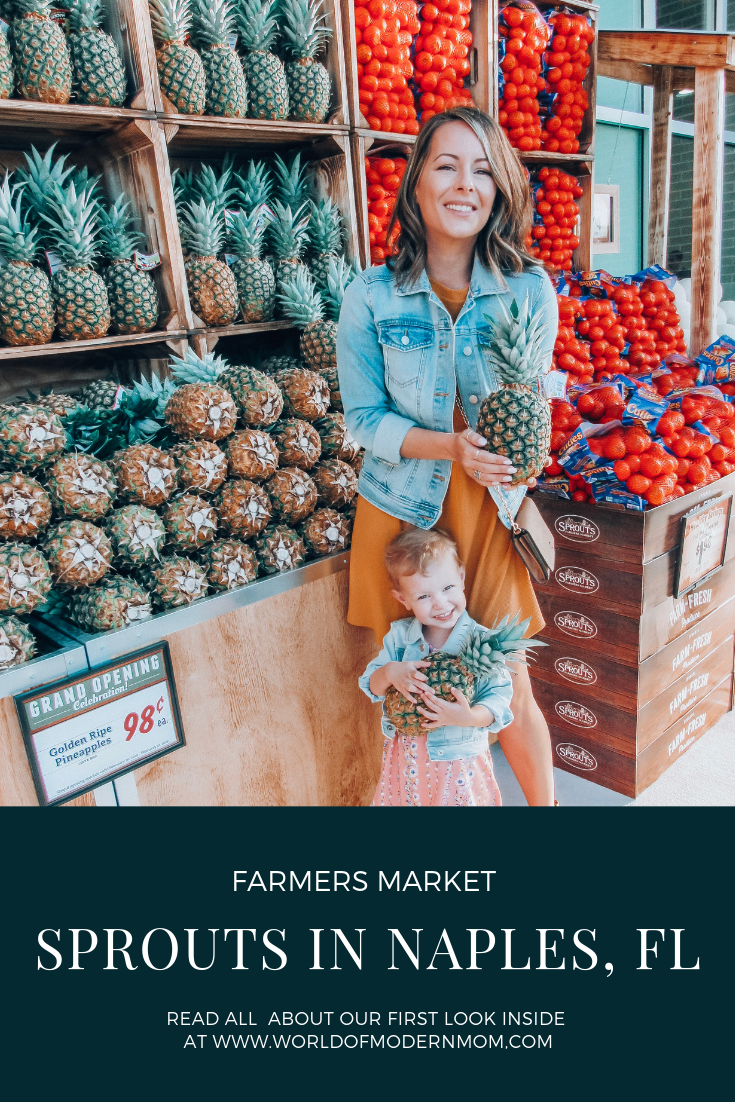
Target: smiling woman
x,y
413,376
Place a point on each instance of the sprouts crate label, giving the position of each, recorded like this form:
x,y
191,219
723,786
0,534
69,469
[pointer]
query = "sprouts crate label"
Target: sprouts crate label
x,y
85,731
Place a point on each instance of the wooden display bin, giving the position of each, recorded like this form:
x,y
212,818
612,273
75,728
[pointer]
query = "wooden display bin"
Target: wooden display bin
x,y
626,661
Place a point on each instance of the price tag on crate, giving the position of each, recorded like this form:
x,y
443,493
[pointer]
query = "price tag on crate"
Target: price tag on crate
x,y
146,262
703,543
84,731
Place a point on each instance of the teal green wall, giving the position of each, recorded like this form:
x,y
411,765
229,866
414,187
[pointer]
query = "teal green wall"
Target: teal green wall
x,y
627,173
620,15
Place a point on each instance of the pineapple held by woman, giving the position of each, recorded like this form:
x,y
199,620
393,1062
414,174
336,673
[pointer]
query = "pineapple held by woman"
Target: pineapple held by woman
x,y
516,420
80,295
180,68
26,304
305,36
264,72
40,54
256,284
227,91
211,284
98,74
132,294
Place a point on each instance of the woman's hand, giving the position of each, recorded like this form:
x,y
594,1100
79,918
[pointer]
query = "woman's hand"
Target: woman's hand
x,y
485,467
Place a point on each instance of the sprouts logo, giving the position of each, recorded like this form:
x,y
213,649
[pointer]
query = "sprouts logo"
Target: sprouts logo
x,y
575,670
574,623
576,579
578,529
576,756
576,714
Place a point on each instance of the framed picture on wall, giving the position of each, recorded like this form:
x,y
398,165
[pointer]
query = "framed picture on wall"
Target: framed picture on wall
x,y
606,219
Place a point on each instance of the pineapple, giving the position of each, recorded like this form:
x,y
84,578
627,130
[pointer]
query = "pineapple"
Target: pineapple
x,y
81,486
190,522
325,532
102,394
40,54
305,393
336,438
211,284
298,443
266,77
25,578
259,400
288,237
112,604
144,474
227,92
252,454
279,548
60,404
80,295
180,68
349,512
26,304
78,553
274,364
175,581
137,536
244,508
356,463
515,420
132,294
292,493
484,653
98,73
336,482
229,564
254,189
201,410
304,36
200,465
292,184
42,177
256,284
302,304
25,507
325,239
30,437
17,642
7,76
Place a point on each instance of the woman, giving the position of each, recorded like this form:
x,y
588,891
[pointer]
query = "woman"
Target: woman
x,y
412,376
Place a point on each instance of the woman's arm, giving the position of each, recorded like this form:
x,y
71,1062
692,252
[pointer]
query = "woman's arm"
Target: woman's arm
x,y
467,448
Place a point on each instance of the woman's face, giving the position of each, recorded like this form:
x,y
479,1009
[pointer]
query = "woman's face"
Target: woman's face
x,y
455,191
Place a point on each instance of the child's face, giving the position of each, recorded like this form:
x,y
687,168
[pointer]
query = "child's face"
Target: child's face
x,y
436,599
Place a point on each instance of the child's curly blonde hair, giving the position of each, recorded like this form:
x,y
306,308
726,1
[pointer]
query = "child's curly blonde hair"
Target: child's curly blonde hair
x,y
415,550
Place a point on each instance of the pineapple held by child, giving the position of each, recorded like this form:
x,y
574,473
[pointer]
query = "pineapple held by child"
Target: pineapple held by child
x,y
26,305
98,74
131,293
180,68
227,91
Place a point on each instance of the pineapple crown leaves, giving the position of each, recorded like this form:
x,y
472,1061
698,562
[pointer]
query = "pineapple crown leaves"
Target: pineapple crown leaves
x,y
43,178
202,228
288,231
34,7
18,240
487,650
154,391
85,15
339,276
170,20
102,432
325,227
214,20
516,346
185,187
118,238
73,229
255,188
191,368
215,189
292,187
303,27
256,24
246,232
299,298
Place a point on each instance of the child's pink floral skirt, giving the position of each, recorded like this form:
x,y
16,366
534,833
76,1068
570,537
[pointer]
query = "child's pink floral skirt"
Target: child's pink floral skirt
x,y
409,778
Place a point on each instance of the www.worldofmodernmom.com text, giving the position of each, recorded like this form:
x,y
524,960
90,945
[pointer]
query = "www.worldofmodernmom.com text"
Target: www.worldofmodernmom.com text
x,y
367,1040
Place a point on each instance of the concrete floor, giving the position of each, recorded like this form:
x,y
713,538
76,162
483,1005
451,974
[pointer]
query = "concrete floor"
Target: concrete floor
x,y
703,777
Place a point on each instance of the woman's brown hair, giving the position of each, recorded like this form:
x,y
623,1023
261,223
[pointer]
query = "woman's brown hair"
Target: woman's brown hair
x,y
500,243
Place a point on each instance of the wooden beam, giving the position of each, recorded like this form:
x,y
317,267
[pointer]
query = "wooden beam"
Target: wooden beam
x,y
709,125
663,112
622,69
703,49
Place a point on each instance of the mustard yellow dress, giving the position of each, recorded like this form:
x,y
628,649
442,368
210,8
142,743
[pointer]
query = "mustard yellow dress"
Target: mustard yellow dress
x,y
497,582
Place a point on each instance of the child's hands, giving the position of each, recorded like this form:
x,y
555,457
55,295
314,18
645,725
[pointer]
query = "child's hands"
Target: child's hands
x,y
407,678
447,713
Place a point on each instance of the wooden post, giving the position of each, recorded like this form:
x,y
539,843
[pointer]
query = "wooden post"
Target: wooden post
x,y
658,219
709,121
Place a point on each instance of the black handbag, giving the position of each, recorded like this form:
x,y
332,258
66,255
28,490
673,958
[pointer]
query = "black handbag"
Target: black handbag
x,y
532,539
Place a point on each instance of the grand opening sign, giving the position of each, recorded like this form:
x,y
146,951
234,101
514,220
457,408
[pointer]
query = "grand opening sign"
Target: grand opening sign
x,y
84,731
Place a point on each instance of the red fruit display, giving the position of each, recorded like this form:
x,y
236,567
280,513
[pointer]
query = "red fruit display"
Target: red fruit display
x,y
523,37
384,175
553,238
570,354
441,58
384,31
566,61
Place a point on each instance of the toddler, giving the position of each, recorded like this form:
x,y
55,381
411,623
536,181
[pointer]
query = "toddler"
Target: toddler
x,y
449,764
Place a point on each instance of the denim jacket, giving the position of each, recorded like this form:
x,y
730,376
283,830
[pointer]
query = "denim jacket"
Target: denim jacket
x,y
400,362
405,643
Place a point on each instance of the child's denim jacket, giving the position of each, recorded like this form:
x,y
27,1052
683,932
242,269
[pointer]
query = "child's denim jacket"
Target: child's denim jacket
x,y
405,643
